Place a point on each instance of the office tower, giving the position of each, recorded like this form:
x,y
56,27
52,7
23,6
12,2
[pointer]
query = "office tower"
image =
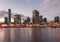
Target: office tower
x,y
9,15
40,19
17,19
35,17
6,20
56,19
45,20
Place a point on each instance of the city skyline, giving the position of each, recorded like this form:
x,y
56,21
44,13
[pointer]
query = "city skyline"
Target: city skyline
x,y
8,14
47,8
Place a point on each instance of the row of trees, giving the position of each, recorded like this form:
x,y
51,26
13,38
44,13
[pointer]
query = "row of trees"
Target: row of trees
x,y
27,21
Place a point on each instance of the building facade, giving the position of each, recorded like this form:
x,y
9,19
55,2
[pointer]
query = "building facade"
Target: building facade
x,y
5,20
40,19
35,17
45,20
17,19
56,19
9,15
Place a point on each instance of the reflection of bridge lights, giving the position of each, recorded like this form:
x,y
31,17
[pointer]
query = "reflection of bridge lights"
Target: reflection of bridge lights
x,y
27,25
30,25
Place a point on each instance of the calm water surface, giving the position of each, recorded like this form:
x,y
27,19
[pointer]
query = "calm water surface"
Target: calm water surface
x,y
30,35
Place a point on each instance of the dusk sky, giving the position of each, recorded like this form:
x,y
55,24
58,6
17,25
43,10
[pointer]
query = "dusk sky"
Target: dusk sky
x,y
47,8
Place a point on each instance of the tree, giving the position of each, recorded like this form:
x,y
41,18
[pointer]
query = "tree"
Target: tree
x,y
27,21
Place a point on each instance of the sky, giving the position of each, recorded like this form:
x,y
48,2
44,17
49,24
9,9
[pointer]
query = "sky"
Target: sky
x,y
47,8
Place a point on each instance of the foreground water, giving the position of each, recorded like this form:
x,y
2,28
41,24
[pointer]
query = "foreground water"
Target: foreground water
x,y
30,35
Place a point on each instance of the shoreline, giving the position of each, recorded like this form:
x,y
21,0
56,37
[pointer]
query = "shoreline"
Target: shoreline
x,y
28,26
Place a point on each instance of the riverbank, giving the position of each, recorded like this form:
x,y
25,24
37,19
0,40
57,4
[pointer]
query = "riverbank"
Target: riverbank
x,y
28,26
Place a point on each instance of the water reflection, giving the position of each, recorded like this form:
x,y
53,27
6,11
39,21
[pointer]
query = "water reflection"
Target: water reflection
x,y
36,35
57,34
7,35
21,35
30,35
48,35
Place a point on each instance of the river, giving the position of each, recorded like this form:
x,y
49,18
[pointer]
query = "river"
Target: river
x,y
30,35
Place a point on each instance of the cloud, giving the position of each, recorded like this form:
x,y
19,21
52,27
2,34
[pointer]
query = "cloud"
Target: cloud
x,y
51,3
27,0
57,14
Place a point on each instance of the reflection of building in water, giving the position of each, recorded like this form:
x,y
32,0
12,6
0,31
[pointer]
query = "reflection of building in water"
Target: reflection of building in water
x,y
57,35
7,36
22,35
16,37
48,35
36,34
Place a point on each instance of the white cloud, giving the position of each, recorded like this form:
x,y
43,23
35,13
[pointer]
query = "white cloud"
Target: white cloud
x,y
1,19
51,3
27,0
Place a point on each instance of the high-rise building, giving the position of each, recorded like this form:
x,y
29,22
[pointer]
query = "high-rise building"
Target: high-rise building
x,y
17,19
9,15
6,20
56,19
35,17
40,19
45,20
